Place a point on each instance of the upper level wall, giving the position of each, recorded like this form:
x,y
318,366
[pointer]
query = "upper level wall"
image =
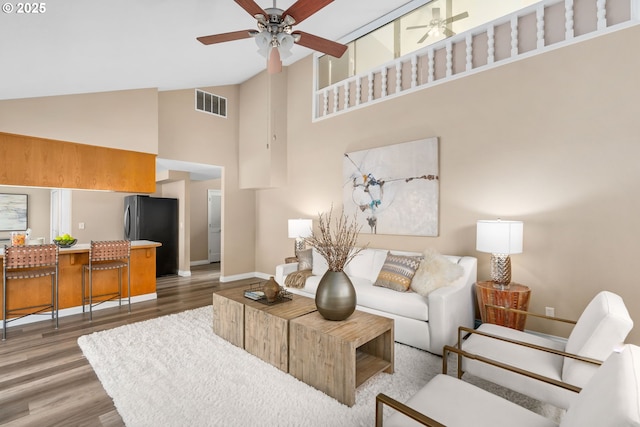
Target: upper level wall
x,y
126,120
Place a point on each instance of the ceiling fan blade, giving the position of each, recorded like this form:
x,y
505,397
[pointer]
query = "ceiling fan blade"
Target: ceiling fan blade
x,y
251,7
225,37
424,37
417,26
456,18
447,32
320,44
302,9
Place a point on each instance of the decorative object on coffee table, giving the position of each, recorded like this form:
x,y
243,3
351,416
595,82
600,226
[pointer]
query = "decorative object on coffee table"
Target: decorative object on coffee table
x,y
271,289
335,241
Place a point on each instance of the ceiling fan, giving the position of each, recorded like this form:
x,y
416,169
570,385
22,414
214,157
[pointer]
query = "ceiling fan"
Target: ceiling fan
x,y
437,25
275,36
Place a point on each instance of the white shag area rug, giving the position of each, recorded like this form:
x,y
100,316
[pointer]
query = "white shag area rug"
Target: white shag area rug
x,y
174,371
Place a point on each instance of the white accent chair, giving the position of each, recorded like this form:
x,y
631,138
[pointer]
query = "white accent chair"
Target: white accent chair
x,y
545,369
610,399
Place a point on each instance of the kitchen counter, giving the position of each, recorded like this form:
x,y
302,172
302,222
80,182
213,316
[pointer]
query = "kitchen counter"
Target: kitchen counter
x,y
70,261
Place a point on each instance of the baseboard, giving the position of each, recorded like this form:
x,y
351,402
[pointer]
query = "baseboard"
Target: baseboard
x,y
184,273
201,262
78,310
243,276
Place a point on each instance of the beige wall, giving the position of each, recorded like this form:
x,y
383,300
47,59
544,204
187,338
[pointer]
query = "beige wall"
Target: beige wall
x,y
551,140
126,120
189,135
38,206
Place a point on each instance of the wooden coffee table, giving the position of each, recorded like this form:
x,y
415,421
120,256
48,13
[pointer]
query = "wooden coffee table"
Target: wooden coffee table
x,y
262,330
337,357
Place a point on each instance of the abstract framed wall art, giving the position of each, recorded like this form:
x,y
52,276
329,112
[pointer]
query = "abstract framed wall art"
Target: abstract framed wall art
x,y
394,189
13,212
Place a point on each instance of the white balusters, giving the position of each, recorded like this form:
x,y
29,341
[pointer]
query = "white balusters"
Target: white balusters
x,y
540,26
370,86
514,36
414,70
383,88
336,96
325,103
347,84
568,19
601,7
491,44
398,77
449,48
469,51
431,60
358,90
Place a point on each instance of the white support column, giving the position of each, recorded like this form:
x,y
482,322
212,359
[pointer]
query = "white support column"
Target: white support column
x,y
491,45
601,7
635,10
568,19
514,36
540,26
469,57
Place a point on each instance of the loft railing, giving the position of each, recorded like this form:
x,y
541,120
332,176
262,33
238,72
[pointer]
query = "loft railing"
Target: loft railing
x,y
549,24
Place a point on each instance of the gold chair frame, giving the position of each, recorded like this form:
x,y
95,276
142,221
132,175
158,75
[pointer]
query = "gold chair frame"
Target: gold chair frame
x,y
107,255
29,262
463,332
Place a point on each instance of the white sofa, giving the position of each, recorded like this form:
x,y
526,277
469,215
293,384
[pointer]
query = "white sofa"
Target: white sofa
x,y
428,323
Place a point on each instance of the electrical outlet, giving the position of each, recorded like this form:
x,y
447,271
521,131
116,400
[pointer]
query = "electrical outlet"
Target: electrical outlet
x,y
550,311
81,226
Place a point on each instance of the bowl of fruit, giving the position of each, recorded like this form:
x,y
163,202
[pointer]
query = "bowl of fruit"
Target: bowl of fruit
x,y
65,241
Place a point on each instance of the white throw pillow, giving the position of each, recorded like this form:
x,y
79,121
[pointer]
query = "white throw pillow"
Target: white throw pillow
x,y
320,265
435,271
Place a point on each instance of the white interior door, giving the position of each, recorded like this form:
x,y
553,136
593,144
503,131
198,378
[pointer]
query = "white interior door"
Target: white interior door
x,y
215,224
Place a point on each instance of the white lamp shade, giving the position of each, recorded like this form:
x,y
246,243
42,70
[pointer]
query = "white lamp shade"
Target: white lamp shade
x,y
299,228
499,237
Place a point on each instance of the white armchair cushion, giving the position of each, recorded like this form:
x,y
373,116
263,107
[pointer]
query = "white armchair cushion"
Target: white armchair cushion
x,y
603,326
456,403
612,396
543,363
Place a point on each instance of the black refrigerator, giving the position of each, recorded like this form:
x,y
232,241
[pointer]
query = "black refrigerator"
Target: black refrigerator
x,y
156,219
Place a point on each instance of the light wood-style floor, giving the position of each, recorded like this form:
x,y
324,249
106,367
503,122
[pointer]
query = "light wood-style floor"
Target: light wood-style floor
x,y
45,379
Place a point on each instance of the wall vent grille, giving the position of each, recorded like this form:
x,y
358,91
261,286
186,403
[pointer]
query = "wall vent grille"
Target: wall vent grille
x,y
210,103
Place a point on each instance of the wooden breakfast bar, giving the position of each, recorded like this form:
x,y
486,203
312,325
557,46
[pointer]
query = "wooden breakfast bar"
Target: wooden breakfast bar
x,y
70,261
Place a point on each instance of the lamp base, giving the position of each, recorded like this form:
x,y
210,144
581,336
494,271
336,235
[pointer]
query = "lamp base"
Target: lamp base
x,y
299,245
501,270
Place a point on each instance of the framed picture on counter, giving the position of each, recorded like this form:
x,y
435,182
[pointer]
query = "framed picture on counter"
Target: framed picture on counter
x,y
13,212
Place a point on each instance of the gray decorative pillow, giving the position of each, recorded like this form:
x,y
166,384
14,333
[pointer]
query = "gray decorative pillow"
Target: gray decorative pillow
x,y
305,260
397,272
435,271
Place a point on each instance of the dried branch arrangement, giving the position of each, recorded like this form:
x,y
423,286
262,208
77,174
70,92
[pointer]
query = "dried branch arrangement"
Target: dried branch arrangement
x,y
336,239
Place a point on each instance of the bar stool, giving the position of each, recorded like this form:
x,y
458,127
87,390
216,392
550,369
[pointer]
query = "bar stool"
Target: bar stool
x,y
106,255
29,262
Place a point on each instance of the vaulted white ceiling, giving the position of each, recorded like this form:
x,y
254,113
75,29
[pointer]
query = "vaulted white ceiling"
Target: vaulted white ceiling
x,y
83,46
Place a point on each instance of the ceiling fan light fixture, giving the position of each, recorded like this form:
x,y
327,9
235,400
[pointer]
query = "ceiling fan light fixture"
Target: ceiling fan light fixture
x,y
285,43
263,40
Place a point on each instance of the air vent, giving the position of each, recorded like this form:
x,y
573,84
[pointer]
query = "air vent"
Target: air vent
x,y
210,103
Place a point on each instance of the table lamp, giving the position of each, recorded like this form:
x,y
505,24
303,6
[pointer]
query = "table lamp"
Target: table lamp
x,y
500,239
299,229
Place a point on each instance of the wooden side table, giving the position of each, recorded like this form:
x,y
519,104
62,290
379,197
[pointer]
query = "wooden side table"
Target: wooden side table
x,y
515,296
291,259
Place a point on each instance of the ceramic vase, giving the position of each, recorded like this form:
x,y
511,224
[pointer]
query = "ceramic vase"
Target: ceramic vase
x,y
271,289
335,296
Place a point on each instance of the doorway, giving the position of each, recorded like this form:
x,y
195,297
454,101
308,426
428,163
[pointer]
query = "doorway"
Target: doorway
x,y
214,221
60,213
